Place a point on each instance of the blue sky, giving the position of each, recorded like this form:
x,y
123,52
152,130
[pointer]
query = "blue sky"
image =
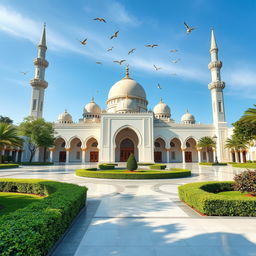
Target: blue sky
x,y
74,77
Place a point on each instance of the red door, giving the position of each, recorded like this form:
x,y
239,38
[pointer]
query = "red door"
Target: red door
x,y
125,153
62,156
94,156
158,156
188,157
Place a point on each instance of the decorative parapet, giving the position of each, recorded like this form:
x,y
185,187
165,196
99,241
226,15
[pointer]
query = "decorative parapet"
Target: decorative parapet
x,y
216,85
215,64
41,62
36,82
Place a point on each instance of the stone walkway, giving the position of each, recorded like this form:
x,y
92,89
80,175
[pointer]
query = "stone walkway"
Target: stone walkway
x,y
146,218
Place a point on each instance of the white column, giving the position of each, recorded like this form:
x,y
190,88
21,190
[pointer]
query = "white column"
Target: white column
x,y
16,156
199,156
83,155
214,155
67,155
167,155
241,156
51,155
183,155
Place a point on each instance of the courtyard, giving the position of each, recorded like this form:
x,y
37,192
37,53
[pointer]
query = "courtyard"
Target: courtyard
x,y
146,217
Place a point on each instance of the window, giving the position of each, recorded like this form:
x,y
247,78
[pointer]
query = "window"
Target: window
x,y
220,106
95,144
188,145
79,144
157,144
204,155
34,105
63,144
173,155
78,155
172,145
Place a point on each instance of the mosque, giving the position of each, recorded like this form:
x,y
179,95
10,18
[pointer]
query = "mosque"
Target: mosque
x,y
127,126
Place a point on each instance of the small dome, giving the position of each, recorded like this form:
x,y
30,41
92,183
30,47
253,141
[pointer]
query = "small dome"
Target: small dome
x,y
65,118
162,110
92,110
126,105
188,118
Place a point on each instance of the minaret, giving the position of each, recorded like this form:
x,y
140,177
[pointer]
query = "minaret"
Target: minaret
x,y
216,86
38,83
218,110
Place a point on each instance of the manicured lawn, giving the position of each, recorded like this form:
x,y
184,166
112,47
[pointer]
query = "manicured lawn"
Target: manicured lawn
x,y
245,165
10,202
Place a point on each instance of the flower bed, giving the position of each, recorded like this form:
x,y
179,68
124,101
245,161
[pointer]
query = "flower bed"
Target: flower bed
x,y
204,197
138,174
33,230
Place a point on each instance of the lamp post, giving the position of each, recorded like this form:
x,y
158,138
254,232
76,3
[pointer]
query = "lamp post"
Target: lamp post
x,y
216,158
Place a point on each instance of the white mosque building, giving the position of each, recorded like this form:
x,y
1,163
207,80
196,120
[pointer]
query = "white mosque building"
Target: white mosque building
x,y
127,126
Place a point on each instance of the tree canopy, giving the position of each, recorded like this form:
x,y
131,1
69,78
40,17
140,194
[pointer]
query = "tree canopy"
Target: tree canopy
x,y
250,115
6,119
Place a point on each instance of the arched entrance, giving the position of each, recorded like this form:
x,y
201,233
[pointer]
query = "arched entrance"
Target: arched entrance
x,y
159,150
59,155
175,152
126,143
191,154
92,153
75,154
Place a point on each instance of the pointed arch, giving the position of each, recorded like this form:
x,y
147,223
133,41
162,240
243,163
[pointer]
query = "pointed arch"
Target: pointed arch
x,y
91,137
61,137
75,137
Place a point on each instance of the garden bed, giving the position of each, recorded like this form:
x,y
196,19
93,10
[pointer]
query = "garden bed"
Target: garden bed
x,y
138,174
8,166
34,229
212,198
244,165
213,164
36,163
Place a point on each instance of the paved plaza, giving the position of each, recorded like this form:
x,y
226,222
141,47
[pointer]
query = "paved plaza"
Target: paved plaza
x,y
146,218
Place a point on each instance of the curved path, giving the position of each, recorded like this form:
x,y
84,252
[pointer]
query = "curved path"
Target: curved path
x,y
145,217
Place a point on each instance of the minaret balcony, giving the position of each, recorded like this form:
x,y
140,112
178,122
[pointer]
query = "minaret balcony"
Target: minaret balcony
x,y
36,82
216,85
41,62
215,64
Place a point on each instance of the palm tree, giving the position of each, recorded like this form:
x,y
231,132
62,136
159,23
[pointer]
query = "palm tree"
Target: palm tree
x,y
235,145
208,143
9,137
250,115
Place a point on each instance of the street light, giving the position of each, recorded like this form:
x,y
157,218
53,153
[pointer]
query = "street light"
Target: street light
x,y
216,158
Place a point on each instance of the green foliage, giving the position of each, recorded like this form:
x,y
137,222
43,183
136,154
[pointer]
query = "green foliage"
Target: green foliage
x,y
106,166
207,143
204,197
141,174
36,163
131,163
245,182
250,115
158,166
39,132
244,131
212,164
235,143
145,164
7,166
33,230
244,165
6,119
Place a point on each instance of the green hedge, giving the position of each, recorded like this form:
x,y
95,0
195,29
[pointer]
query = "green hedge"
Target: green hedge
x,y
202,196
34,230
36,163
212,164
244,165
145,164
107,166
141,174
158,166
7,166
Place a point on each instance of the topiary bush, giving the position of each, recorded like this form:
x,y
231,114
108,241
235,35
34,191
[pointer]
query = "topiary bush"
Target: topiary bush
x,y
246,182
131,163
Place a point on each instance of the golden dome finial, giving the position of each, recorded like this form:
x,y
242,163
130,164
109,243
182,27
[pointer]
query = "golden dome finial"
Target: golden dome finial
x,y
127,71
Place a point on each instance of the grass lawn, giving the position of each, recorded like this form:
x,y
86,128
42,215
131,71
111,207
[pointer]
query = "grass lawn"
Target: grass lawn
x,y
244,165
10,202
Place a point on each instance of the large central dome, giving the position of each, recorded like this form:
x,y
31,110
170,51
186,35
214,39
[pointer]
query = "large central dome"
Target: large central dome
x,y
123,89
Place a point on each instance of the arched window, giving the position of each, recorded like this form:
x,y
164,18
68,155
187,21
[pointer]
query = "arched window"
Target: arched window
x,y
127,143
95,144
187,144
172,145
157,144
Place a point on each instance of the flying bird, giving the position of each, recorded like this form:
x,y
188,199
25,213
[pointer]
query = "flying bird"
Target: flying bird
x,y
84,42
151,45
132,50
189,29
110,49
100,19
175,61
157,68
98,62
173,50
159,86
114,35
120,62
24,73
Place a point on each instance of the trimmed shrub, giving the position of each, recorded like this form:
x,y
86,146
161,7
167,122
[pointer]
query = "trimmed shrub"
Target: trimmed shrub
x,y
245,182
141,174
7,166
212,164
131,163
36,163
158,166
106,166
91,169
145,164
203,197
244,165
33,230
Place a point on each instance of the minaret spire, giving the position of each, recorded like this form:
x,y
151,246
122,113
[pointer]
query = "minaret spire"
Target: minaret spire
x,y
213,42
38,83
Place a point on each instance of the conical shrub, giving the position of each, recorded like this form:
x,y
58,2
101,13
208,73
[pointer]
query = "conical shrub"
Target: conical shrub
x,y
131,163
